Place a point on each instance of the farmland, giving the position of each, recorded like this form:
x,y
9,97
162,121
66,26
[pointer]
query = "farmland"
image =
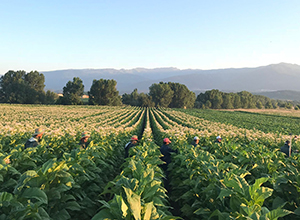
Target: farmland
x,y
244,177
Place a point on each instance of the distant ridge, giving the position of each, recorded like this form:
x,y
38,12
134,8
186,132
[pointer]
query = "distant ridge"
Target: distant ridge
x,y
282,76
281,94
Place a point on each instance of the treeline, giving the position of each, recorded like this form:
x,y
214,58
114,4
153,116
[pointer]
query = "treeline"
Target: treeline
x,y
25,88
215,99
102,92
28,88
173,95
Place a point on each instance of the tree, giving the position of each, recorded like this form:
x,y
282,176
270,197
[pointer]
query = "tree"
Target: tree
x,y
237,101
136,99
215,98
274,103
144,100
161,94
247,99
12,87
35,80
23,88
131,99
289,105
200,101
269,105
208,104
50,97
259,105
104,92
35,91
72,92
182,96
228,99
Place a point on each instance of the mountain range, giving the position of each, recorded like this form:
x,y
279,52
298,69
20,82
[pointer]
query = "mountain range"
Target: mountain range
x,y
282,76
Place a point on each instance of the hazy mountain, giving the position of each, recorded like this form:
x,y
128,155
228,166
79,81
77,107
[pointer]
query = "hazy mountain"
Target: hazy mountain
x,y
126,79
282,76
282,94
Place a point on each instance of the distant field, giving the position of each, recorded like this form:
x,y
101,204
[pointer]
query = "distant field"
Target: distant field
x,y
282,112
276,121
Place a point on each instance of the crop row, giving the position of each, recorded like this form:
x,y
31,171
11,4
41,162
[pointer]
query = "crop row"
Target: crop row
x,y
230,180
63,120
208,130
243,177
57,179
138,192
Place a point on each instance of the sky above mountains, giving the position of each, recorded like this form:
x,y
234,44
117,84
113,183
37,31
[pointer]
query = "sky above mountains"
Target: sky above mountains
x,y
196,34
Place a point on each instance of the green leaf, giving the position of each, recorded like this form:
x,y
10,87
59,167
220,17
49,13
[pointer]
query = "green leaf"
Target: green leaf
x,y
220,215
248,210
148,209
128,183
13,171
235,203
43,213
264,210
150,191
35,193
121,205
105,204
25,177
202,211
103,215
255,216
280,180
297,211
238,184
261,194
54,194
11,183
134,201
225,193
257,184
72,206
5,197
62,215
46,166
278,203
277,213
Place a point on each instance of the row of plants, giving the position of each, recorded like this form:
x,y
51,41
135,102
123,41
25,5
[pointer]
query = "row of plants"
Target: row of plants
x,y
244,177
231,180
138,192
60,120
208,131
69,128
57,179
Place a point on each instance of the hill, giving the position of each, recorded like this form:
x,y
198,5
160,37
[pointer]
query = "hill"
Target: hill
x,y
282,94
282,76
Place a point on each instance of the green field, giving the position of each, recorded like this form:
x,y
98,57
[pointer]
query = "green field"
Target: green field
x,y
244,177
269,123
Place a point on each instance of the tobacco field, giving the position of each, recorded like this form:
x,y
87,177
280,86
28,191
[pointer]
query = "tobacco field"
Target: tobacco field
x,y
243,177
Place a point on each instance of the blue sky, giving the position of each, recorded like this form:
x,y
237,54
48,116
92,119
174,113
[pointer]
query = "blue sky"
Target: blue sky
x,y
212,34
